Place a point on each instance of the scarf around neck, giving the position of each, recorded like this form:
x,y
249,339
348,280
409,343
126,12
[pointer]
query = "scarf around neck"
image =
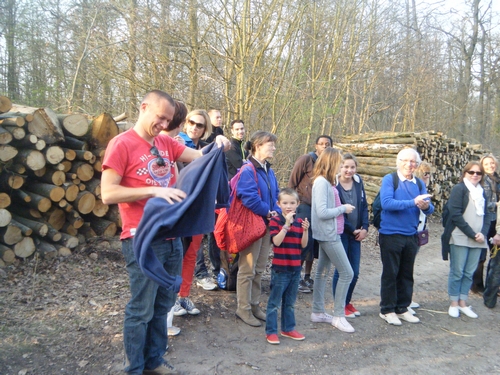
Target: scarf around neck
x,y
476,193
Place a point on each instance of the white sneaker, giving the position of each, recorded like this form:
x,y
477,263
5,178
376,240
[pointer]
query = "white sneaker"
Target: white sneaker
x,y
391,318
206,283
467,311
178,309
342,324
411,311
173,331
321,318
453,311
409,317
414,305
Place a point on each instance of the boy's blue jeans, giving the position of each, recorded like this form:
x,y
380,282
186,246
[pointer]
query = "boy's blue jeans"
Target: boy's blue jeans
x,y
284,289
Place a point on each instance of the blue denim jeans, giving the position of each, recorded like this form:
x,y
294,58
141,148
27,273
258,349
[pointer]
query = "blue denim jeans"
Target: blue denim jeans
x,y
145,325
492,282
201,270
463,263
331,252
353,251
398,254
284,288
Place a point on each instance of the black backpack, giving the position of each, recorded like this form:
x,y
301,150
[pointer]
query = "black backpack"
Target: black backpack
x,y
377,205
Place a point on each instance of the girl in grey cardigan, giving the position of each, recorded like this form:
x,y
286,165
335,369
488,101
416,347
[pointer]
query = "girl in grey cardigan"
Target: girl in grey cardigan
x,y
327,218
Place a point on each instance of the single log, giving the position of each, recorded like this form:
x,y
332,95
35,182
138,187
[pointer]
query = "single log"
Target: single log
x,y
7,254
4,200
62,251
40,228
53,234
121,117
5,217
54,177
21,196
29,141
74,125
10,180
45,249
74,218
374,170
87,231
5,136
7,153
113,215
84,155
53,192
389,162
84,202
26,116
69,229
25,230
83,170
25,211
103,227
31,159
2,263
40,172
17,133
75,144
103,129
11,234
55,217
25,247
17,121
18,168
100,209
5,104
94,186
64,166
38,202
72,191
69,154
45,125
54,154
68,241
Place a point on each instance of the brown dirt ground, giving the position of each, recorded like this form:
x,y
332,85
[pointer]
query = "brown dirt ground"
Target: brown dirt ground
x,y
64,316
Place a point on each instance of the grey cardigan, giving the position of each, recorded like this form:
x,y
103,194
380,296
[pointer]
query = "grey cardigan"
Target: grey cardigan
x,y
324,212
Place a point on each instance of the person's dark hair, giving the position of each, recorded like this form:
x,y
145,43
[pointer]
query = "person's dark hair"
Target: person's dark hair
x,y
179,116
259,138
324,136
288,191
468,167
238,121
154,95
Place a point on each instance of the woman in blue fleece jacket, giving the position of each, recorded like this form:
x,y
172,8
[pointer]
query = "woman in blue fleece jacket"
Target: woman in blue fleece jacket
x,y
261,196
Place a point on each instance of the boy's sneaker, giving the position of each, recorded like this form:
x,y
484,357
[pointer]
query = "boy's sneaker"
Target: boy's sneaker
x,y
303,288
294,335
178,309
273,339
173,331
309,282
348,313
189,306
164,369
351,308
321,318
206,283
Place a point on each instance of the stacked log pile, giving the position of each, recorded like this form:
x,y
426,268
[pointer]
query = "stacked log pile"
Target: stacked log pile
x,y
50,196
376,154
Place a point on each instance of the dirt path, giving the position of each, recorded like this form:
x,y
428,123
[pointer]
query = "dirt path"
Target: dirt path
x,y
65,317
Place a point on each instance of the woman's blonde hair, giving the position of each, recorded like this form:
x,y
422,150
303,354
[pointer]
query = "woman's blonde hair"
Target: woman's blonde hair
x,y
423,167
208,123
328,164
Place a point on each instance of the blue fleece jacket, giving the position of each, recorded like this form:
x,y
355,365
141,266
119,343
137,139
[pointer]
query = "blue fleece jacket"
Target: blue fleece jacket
x,y
247,189
204,181
399,212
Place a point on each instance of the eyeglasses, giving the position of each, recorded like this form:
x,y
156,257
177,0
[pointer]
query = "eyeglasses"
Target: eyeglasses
x,y
427,173
412,162
477,173
199,125
159,160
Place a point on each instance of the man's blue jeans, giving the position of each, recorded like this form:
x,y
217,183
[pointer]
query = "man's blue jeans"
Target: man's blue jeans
x,y
145,325
353,251
284,288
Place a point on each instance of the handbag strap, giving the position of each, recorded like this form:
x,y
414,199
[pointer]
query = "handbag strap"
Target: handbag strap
x,y
239,176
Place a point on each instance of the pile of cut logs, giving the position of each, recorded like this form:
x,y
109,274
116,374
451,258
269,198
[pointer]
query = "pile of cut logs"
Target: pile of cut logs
x,y
376,154
50,164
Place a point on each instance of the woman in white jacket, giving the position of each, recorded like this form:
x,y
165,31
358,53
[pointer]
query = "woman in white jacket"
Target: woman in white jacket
x,y
328,222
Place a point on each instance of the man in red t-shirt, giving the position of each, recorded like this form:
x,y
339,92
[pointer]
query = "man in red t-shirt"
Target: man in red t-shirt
x,y
140,164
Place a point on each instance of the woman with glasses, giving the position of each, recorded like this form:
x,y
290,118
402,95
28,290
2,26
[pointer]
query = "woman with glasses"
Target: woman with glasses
x,y
491,184
197,128
466,223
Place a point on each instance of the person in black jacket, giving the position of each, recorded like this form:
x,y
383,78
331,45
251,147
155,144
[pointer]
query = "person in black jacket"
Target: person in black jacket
x,y
466,222
237,155
352,191
216,120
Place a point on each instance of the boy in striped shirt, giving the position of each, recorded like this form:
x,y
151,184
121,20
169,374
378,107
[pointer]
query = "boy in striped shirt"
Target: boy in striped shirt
x,y
289,236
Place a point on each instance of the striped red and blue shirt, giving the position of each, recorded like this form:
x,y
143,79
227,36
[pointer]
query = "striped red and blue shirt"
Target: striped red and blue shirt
x,y
287,255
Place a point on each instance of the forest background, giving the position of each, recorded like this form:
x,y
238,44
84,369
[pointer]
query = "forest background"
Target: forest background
x,y
293,67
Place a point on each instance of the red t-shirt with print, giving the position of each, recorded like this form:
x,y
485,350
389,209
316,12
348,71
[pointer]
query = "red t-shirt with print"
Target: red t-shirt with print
x,y
129,155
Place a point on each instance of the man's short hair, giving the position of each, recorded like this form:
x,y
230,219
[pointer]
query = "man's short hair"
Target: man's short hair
x,y
238,121
324,136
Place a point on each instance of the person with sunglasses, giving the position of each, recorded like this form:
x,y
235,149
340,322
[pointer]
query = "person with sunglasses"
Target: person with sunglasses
x,y
491,184
138,165
466,221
